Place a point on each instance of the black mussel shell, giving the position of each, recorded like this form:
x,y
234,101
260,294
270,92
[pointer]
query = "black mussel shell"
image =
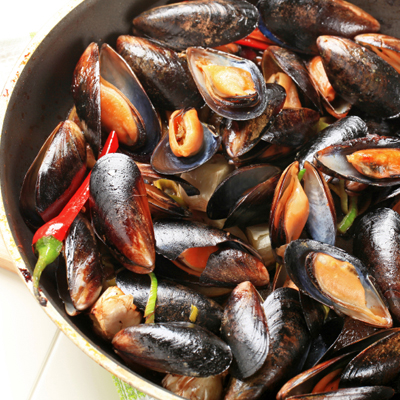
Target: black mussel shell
x,y
235,186
293,127
360,393
164,161
378,364
174,301
163,73
276,59
361,77
232,263
174,347
321,222
83,263
312,18
332,160
86,93
115,70
233,109
120,212
239,137
244,328
207,23
377,245
344,129
296,256
55,174
288,347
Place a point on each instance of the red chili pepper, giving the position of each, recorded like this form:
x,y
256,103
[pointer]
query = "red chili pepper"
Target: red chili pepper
x,y
48,240
253,43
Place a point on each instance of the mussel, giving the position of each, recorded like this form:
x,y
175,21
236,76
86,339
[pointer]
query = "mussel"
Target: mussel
x,y
55,175
206,23
336,279
120,212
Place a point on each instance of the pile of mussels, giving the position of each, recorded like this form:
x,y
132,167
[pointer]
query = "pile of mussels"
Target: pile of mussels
x,y
235,165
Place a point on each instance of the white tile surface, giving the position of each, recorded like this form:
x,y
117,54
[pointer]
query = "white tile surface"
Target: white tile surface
x,y
70,374
26,335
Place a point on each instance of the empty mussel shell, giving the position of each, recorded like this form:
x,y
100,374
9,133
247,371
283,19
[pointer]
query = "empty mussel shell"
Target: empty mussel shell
x,y
310,264
231,86
175,347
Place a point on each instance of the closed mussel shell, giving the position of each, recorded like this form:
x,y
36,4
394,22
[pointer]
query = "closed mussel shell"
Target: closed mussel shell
x,y
120,212
360,393
361,77
83,263
174,347
377,245
333,160
312,18
206,23
244,328
288,347
379,364
163,73
56,173
174,301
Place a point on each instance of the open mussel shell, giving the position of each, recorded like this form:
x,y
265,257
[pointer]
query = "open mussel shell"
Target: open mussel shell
x,y
231,263
286,325
312,18
174,347
308,263
293,127
239,137
276,59
244,328
321,222
164,161
344,129
55,174
85,90
83,264
333,161
120,212
174,301
163,73
377,245
115,70
361,77
235,186
206,23
236,108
